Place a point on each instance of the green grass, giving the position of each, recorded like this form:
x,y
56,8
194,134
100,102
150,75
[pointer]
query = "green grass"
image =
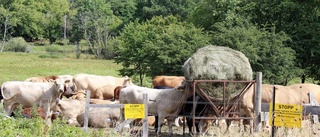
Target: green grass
x,y
20,66
45,61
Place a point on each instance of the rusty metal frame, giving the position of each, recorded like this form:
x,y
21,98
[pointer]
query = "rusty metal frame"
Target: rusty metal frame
x,y
221,111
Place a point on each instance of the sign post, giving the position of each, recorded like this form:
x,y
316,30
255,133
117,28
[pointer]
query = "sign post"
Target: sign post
x,y
287,115
134,111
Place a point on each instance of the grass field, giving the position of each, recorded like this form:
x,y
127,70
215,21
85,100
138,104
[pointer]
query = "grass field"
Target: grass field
x,y
61,60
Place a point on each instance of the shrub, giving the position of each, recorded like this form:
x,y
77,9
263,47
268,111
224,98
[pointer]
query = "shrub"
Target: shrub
x,y
17,44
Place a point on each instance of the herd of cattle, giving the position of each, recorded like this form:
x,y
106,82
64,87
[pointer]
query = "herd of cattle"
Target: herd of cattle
x,y
64,97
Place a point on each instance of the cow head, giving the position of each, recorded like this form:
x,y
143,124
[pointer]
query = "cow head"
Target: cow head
x,y
69,88
185,85
127,82
59,84
204,126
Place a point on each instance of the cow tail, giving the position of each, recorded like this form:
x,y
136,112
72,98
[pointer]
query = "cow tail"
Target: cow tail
x,y
2,94
1,97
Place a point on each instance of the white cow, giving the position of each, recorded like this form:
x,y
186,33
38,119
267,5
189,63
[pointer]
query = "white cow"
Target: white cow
x,y
69,91
101,117
27,94
69,109
101,87
166,103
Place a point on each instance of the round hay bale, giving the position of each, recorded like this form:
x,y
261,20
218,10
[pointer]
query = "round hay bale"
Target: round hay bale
x,y
218,63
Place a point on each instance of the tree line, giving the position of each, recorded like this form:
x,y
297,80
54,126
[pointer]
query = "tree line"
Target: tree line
x,y
155,37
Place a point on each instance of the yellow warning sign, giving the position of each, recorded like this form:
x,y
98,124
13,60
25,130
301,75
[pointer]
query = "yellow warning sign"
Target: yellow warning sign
x,y
134,110
286,115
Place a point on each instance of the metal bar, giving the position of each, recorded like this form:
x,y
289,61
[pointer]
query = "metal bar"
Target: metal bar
x,y
106,105
193,109
86,114
257,106
273,105
229,81
215,109
145,120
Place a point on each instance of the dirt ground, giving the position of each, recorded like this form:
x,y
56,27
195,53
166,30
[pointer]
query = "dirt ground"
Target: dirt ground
x,y
236,131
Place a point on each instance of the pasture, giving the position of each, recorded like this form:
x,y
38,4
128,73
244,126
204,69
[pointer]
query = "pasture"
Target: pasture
x,y
44,62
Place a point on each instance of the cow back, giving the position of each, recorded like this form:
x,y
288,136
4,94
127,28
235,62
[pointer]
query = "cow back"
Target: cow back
x,y
169,81
92,82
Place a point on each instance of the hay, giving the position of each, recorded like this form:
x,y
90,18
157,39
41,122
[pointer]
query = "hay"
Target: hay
x,y
218,63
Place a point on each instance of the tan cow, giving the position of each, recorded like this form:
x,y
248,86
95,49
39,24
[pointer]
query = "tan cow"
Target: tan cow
x,y
292,94
27,94
101,87
168,81
41,79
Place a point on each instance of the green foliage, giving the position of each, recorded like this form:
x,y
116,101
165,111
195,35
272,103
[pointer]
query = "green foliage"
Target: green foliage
x,y
158,47
300,21
209,13
17,45
147,9
265,50
96,24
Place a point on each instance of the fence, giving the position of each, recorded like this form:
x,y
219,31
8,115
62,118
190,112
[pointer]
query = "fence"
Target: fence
x,y
119,127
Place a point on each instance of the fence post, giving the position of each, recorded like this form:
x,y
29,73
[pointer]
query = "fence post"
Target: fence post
x,y
145,120
257,106
86,112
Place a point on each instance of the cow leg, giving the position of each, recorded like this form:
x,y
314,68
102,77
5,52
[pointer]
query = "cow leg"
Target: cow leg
x,y
189,123
160,123
170,123
228,121
156,123
99,95
47,111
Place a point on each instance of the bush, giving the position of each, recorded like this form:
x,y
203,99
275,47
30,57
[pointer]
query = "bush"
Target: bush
x,y
54,49
17,44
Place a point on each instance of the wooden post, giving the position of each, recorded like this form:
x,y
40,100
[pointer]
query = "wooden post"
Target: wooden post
x,y
145,120
257,106
86,113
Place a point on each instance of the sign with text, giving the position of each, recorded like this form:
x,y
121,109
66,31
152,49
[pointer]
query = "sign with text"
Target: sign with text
x,y
134,110
286,115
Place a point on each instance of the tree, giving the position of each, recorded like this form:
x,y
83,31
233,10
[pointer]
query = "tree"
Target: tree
x,y
159,46
30,14
208,13
146,9
95,23
265,50
53,21
300,21
124,10
8,16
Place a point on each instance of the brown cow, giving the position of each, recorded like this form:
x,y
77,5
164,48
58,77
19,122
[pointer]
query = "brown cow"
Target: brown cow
x,y
117,92
168,81
27,112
